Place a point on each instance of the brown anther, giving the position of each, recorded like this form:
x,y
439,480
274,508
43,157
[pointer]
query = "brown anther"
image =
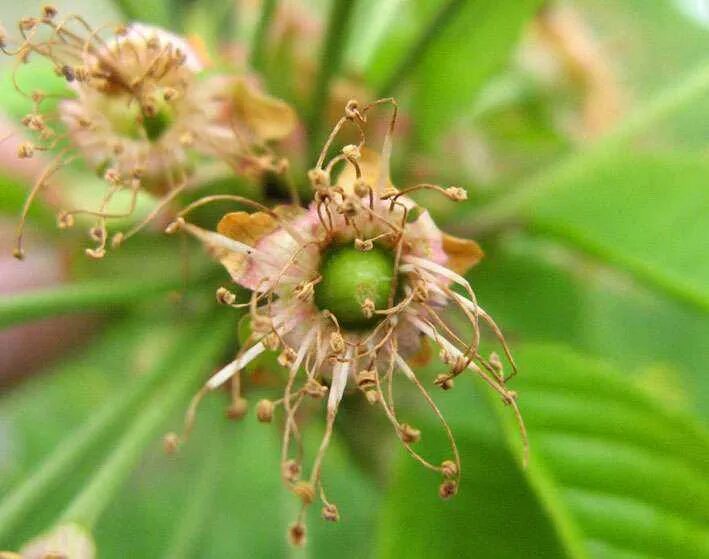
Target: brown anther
x,y
49,12
296,534
409,434
361,188
314,389
81,73
65,220
170,94
25,150
458,365
449,469
350,151
170,443
117,240
509,397
96,253
420,291
363,245
368,308
186,139
367,379
149,108
456,193
120,30
18,253
319,179
264,411
34,122
38,96
174,226
287,357
271,341
225,297
84,122
68,73
337,342
97,234
444,381
112,176
445,357
447,489
348,208
28,23
330,513
305,491
261,323
304,291
153,42
290,470
352,109
237,409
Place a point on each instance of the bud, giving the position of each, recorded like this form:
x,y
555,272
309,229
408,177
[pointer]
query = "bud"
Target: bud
x,y
305,491
330,513
170,443
449,468
225,297
447,489
264,411
237,409
296,534
409,434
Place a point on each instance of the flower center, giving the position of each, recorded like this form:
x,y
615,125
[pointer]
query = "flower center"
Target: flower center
x,y
350,277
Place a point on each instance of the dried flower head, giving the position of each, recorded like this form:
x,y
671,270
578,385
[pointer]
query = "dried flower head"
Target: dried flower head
x,y
370,311
136,111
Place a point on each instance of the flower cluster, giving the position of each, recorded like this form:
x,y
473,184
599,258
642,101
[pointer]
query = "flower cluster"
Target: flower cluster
x,y
349,291
138,111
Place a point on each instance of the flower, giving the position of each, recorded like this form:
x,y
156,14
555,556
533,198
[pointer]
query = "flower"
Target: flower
x,y
139,112
349,291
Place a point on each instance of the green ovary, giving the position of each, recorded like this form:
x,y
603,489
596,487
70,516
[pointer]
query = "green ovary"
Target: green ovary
x,y
350,276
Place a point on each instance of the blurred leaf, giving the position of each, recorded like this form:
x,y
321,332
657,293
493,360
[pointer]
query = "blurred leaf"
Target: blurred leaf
x,y
610,465
462,55
570,298
158,12
644,214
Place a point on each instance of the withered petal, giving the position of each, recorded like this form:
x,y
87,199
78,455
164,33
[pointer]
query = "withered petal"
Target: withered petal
x,y
462,254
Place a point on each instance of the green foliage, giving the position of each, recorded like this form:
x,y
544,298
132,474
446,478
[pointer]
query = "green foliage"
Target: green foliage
x,y
600,446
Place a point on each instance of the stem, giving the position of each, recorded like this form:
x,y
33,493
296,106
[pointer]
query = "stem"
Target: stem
x,y
331,59
415,54
87,506
99,295
513,204
69,452
268,8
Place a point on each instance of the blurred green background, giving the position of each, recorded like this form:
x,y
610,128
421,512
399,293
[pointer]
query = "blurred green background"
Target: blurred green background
x,y
581,131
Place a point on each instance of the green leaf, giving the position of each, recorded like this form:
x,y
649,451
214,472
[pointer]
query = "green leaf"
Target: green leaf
x,y
476,42
643,214
611,473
